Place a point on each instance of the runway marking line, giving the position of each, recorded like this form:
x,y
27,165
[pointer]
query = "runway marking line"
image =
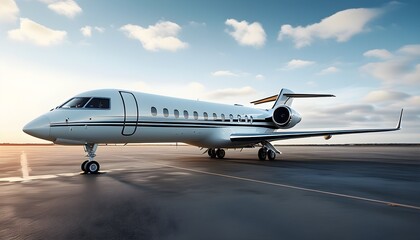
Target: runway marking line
x,y
392,204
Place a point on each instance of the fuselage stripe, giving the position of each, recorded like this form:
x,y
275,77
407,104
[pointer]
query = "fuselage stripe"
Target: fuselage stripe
x,y
157,124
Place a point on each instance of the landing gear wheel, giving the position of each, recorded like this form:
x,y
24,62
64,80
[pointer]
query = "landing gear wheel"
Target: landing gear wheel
x,y
83,166
220,153
262,154
92,167
212,152
271,155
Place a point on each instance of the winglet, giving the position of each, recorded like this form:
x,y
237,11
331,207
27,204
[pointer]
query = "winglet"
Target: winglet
x,y
399,122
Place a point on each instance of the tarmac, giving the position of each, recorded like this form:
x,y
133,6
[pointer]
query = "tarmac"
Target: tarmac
x,y
177,192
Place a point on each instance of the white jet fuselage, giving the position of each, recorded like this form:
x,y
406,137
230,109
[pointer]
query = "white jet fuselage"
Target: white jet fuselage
x,y
134,117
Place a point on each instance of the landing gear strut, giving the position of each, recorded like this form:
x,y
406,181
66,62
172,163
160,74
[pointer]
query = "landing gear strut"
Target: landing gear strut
x,y
90,165
219,153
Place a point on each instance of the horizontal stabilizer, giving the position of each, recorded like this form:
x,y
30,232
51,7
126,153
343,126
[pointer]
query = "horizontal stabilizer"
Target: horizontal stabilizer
x,y
305,95
290,95
265,100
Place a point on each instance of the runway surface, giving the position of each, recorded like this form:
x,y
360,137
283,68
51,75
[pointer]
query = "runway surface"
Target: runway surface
x,y
168,192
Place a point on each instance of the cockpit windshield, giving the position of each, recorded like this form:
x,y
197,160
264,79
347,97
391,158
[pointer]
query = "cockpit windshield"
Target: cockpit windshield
x,y
77,102
102,103
87,102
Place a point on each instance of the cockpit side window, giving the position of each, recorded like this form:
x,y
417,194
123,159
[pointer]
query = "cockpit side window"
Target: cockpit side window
x,y
101,103
77,102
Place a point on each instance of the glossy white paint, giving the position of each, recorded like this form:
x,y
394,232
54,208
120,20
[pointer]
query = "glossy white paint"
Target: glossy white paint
x,y
82,125
130,119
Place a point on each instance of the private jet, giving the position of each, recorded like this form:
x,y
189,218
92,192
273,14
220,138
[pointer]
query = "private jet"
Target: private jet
x,y
111,116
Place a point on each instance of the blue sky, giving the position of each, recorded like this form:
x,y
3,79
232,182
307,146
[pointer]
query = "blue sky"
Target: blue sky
x,y
365,52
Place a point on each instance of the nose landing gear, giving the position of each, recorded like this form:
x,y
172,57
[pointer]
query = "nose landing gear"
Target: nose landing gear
x,y
90,165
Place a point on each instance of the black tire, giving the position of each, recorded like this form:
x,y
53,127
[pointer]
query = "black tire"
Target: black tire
x,y
220,153
209,151
271,155
83,166
92,167
212,153
262,154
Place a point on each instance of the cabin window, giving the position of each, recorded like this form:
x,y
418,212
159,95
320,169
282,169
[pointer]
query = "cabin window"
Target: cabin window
x,y
223,117
239,118
206,116
100,103
185,114
246,118
77,102
176,113
154,111
195,115
165,112
231,117
214,116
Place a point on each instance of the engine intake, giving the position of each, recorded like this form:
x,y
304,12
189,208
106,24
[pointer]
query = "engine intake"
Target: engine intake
x,y
285,117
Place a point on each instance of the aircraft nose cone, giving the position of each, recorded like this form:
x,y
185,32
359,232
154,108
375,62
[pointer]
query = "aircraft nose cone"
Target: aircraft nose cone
x,y
39,127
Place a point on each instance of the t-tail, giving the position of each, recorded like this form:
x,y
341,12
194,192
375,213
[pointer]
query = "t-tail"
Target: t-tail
x,y
281,112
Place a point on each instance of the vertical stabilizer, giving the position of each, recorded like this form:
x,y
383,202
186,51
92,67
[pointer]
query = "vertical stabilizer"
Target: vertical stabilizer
x,y
283,99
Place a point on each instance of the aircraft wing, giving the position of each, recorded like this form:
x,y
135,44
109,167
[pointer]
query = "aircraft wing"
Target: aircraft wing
x,y
238,137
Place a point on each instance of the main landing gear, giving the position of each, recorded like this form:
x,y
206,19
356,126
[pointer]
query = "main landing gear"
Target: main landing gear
x,y
219,153
267,151
264,153
90,165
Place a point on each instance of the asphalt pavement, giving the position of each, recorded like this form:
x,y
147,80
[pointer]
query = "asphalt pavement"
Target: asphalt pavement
x,y
177,192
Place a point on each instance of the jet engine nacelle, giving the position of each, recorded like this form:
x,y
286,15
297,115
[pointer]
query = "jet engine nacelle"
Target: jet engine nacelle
x,y
285,117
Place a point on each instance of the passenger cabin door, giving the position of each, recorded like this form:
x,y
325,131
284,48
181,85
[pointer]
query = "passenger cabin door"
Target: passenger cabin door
x,y
131,113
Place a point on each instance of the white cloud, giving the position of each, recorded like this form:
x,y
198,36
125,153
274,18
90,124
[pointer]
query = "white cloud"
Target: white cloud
x,y
340,26
99,29
87,30
410,50
260,77
195,87
68,8
402,68
30,31
231,93
392,101
247,34
9,11
378,53
394,72
385,96
329,70
224,73
197,24
297,63
161,36
413,102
